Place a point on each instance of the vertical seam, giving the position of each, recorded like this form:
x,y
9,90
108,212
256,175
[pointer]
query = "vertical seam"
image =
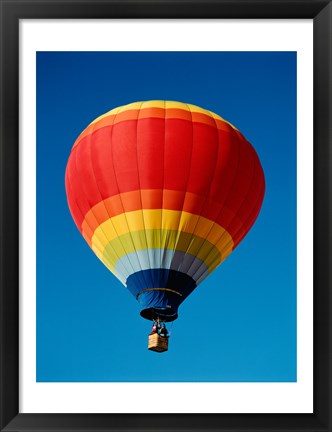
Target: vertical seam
x,y
228,194
117,185
185,193
161,246
205,199
140,195
109,217
88,201
239,208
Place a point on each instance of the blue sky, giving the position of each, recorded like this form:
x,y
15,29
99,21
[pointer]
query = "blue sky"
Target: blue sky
x,y
239,325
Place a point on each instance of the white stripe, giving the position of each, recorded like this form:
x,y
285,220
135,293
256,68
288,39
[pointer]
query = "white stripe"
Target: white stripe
x,y
161,259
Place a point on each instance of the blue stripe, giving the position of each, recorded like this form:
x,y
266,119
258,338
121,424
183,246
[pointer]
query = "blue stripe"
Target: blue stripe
x,y
162,258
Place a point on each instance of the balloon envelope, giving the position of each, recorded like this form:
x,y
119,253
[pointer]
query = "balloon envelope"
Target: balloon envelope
x,y
163,192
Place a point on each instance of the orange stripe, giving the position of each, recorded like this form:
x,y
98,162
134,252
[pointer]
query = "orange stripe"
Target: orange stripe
x,y
140,199
169,113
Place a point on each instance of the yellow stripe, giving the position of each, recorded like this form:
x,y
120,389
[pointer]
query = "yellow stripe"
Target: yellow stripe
x,y
171,220
164,239
160,104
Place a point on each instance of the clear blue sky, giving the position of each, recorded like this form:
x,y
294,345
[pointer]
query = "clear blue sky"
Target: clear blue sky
x,y
240,323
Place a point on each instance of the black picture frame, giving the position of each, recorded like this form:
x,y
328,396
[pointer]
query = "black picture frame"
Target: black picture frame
x,y
14,10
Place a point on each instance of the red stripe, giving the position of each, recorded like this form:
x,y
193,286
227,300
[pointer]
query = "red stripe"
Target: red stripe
x,y
204,170
153,112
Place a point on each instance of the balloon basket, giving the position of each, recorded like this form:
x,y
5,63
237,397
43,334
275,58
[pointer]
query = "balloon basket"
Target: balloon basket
x,y
157,343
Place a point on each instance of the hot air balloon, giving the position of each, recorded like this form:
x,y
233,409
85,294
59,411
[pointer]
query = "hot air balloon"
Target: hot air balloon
x,y
163,192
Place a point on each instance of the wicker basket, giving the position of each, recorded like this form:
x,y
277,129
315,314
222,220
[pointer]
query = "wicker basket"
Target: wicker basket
x,y
157,343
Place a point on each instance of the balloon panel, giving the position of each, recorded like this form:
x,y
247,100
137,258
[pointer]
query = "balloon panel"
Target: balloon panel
x,y
163,192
